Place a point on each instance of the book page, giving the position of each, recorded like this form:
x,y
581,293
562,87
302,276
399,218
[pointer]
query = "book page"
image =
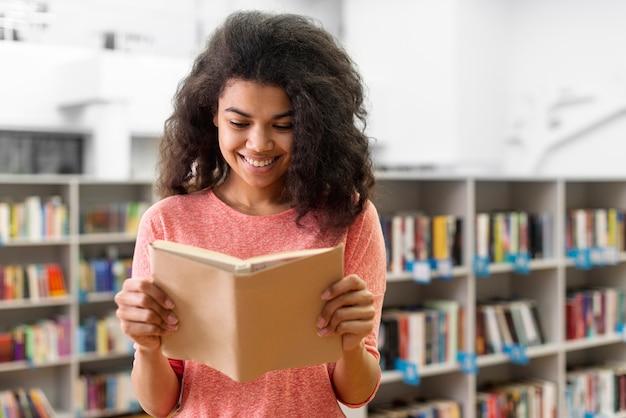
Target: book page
x,y
230,263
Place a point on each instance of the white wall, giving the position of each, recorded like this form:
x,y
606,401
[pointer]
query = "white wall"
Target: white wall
x,y
566,92
162,27
406,52
38,80
473,85
464,85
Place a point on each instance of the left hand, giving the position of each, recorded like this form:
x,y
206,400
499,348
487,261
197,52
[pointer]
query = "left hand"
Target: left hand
x,y
349,311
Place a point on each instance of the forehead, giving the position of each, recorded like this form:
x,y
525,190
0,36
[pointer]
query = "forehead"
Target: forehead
x,y
246,91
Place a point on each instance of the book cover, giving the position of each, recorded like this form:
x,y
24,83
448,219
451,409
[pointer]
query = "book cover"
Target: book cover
x,y
451,309
247,317
503,326
390,351
440,237
397,243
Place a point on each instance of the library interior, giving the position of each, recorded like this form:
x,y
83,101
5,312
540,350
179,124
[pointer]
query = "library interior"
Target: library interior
x,y
502,204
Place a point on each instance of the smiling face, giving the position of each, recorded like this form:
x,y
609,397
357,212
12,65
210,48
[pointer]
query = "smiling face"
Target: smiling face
x,y
255,133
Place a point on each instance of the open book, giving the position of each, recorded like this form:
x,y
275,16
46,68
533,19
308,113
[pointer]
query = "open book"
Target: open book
x,y
247,317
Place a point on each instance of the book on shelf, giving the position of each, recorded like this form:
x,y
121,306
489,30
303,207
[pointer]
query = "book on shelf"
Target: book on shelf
x,y
450,329
503,235
501,323
598,231
593,311
525,397
419,407
247,317
34,218
412,236
105,392
28,403
422,335
31,281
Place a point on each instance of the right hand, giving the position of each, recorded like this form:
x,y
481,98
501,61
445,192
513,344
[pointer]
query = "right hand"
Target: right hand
x,y
145,313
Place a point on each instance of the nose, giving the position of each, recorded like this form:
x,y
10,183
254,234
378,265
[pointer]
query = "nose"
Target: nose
x,y
259,140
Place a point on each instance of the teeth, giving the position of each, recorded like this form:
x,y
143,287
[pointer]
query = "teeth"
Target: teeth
x,y
258,163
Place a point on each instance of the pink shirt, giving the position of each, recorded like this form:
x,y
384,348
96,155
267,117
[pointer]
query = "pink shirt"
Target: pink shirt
x,y
201,219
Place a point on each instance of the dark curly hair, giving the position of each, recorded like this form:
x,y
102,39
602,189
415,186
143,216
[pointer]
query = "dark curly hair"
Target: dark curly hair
x,y
331,171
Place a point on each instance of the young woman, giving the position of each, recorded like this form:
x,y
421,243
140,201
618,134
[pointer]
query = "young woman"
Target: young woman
x,y
265,152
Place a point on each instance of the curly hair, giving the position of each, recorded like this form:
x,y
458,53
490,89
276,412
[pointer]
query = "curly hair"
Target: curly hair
x,y
331,170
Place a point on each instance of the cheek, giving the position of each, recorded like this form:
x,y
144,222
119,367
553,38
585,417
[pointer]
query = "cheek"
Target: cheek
x,y
286,144
228,141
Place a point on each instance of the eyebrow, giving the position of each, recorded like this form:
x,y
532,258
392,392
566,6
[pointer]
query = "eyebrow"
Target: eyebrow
x,y
247,115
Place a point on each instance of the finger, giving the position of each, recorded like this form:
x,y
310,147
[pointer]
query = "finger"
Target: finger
x,y
142,294
148,287
139,330
347,284
360,328
137,307
354,298
343,318
141,322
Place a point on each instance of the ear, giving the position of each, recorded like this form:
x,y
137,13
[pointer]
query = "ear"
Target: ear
x,y
215,119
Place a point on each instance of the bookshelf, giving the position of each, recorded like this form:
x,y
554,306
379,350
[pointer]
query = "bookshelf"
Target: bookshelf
x,y
546,280
58,375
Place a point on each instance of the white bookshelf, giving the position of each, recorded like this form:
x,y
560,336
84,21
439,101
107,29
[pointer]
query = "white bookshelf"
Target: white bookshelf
x,y
58,378
546,282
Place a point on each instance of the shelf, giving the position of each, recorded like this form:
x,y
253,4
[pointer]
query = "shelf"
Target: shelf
x,y
546,280
55,377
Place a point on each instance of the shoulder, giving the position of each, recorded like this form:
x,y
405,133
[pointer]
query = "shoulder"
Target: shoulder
x,y
368,218
366,228
180,203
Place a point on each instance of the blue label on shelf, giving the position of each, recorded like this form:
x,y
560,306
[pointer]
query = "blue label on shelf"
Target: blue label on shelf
x,y
611,255
467,362
409,372
596,256
421,271
82,296
444,269
521,263
516,353
481,266
582,258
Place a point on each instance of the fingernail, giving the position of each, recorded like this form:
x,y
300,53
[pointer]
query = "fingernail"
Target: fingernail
x,y
320,322
169,304
322,332
171,319
326,294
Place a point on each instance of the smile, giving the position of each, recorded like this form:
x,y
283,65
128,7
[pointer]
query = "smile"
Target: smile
x,y
259,163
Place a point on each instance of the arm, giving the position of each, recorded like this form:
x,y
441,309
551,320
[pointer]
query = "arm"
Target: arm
x,y
145,314
350,312
150,366
356,376
353,309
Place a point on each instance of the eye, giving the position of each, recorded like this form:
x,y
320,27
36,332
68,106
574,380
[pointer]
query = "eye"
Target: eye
x,y
284,127
236,124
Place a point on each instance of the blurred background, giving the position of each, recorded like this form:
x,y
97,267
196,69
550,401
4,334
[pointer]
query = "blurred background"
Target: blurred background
x,y
530,87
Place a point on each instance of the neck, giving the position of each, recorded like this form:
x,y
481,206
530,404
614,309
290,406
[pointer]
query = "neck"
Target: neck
x,y
252,201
